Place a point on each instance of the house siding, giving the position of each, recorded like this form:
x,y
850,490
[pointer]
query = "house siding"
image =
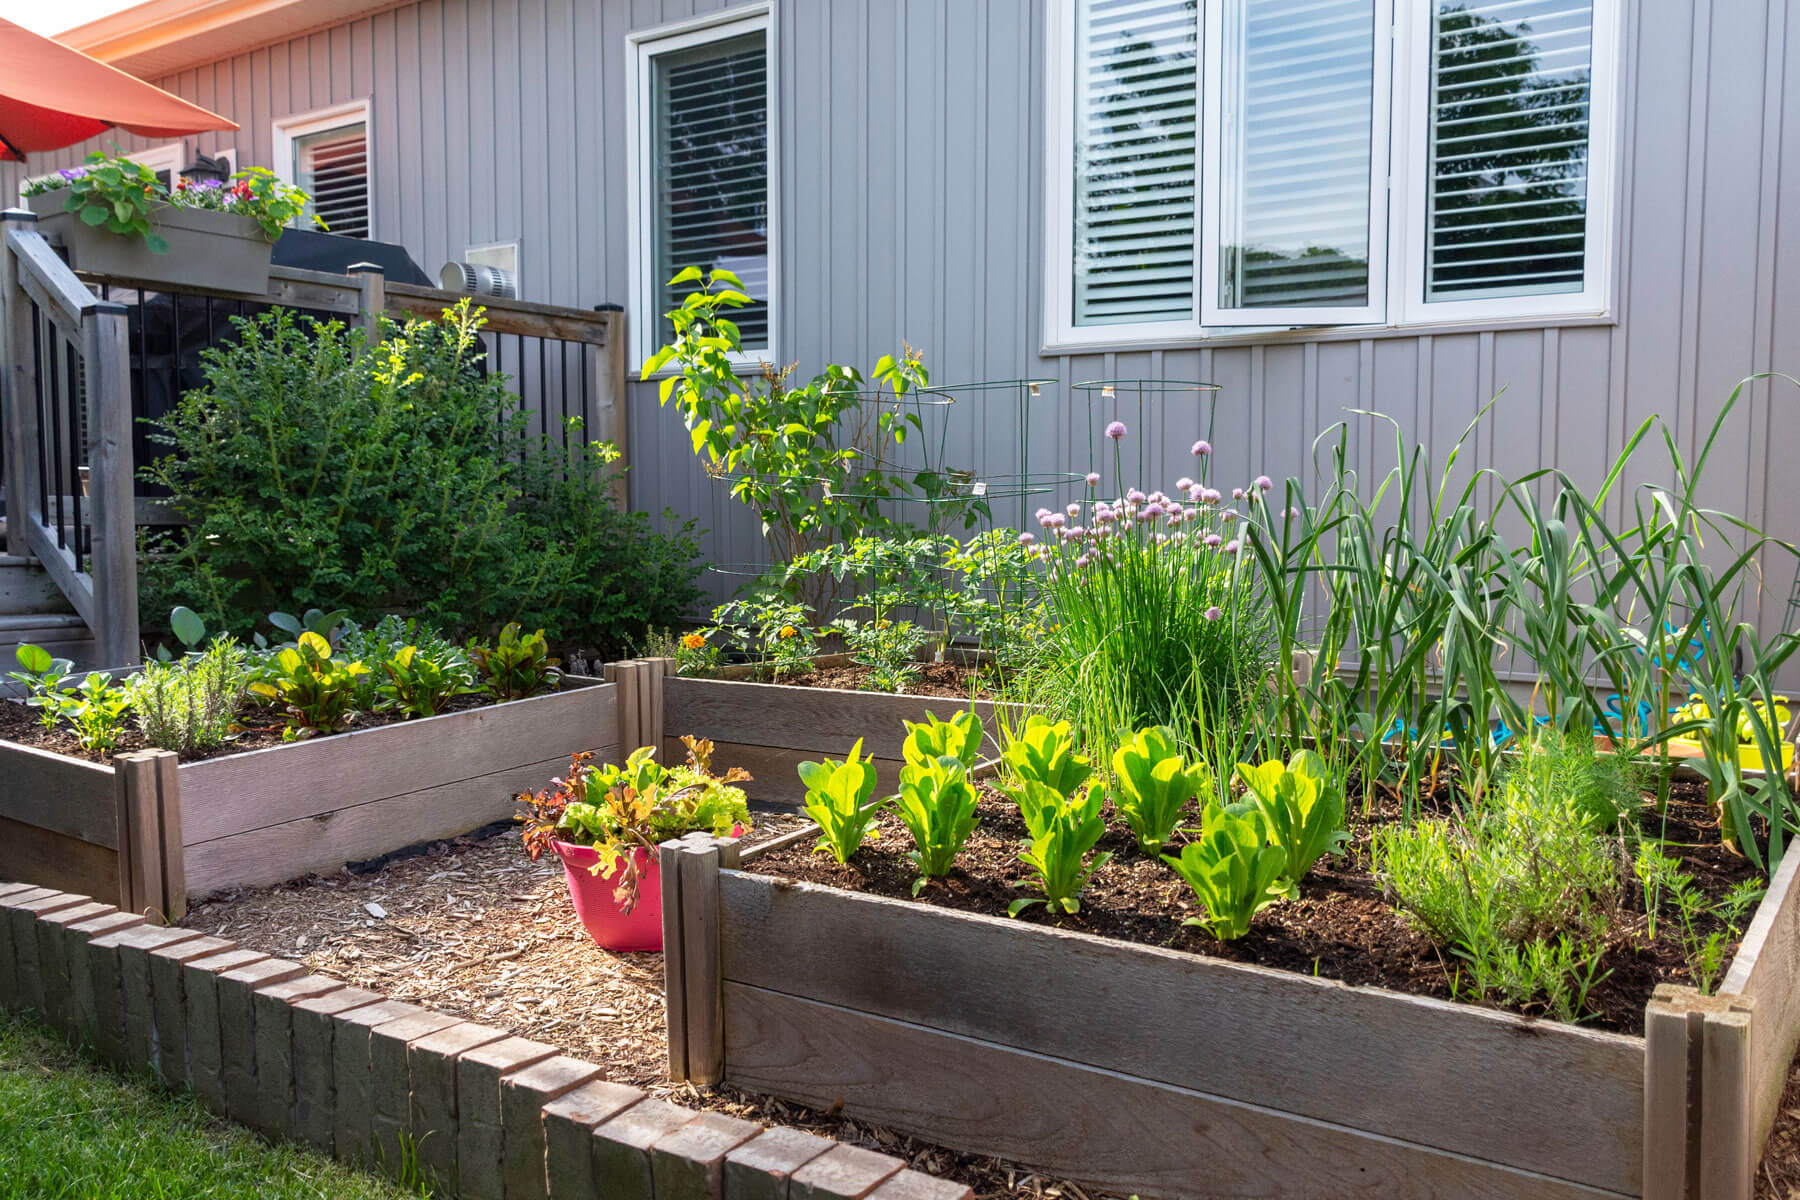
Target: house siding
x,y
911,170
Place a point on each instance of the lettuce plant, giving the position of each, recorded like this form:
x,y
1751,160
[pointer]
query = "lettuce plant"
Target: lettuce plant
x,y
317,688
1232,869
1063,829
837,800
619,810
1303,807
1153,783
1045,753
937,806
960,738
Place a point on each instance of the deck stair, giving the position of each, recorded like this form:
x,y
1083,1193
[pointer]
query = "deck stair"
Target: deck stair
x,y
33,609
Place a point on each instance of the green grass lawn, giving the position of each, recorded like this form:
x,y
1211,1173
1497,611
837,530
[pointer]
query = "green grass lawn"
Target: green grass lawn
x,y
73,1130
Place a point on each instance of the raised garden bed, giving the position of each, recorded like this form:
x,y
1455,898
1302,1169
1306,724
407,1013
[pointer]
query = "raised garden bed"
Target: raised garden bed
x,y
154,831
1146,1069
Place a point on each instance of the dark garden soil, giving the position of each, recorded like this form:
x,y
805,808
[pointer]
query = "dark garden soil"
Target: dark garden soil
x,y
959,681
473,928
258,727
1340,927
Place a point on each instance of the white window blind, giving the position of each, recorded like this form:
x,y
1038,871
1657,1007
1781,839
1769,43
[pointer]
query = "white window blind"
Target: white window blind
x,y
1136,156
1296,107
332,166
1509,148
709,164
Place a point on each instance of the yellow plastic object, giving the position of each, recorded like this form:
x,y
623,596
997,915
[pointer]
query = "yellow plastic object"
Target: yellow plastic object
x,y
1749,757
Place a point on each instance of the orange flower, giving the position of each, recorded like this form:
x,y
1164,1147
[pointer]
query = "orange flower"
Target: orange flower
x,y
693,641
787,632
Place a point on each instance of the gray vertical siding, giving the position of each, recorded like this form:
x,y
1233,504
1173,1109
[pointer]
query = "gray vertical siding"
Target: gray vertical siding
x,y
911,135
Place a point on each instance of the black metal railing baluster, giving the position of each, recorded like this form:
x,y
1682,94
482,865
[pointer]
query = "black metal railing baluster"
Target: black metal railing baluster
x,y
77,406
37,359
56,458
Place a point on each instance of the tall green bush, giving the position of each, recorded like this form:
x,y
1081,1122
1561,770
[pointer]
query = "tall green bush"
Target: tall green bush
x,y
319,471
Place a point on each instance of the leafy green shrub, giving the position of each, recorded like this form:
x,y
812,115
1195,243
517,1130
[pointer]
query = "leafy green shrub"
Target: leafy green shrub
x,y
320,472
190,703
1522,888
888,648
316,688
937,806
1232,869
837,800
1063,829
1303,808
1153,784
516,666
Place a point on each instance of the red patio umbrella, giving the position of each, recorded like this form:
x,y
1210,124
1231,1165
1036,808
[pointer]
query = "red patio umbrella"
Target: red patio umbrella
x,y
52,96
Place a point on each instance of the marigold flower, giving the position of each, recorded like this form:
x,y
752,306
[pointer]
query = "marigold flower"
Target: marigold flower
x,y
693,641
787,632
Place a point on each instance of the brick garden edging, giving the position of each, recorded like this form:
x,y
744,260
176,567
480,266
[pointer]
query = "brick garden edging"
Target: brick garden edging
x,y
377,1083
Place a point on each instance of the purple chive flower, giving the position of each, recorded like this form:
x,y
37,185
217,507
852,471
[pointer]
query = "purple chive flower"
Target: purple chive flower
x,y
1213,613
1229,514
1056,521
1202,448
1213,539
1135,497
1210,496
1041,513
1293,514
1115,430
1183,484
1093,479
1074,510
1237,493
1264,482
1025,539
1231,547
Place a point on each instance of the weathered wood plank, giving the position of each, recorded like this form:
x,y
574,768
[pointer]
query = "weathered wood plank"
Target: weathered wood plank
x,y
62,795
1767,970
669,856
1727,1119
699,863
505,316
112,563
29,854
817,720
773,769
1122,1135
1667,1031
241,792
1536,1095
135,775
324,842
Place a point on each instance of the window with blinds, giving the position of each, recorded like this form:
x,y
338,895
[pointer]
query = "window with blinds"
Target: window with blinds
x,y
1509,147
1297,149
709,171
332,166
1136,146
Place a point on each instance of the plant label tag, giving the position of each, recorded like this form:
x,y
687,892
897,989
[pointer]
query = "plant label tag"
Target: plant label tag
x,y
980,488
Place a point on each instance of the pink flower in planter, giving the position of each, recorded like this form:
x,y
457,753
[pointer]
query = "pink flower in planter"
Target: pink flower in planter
x,y
1115,430
1264,482
1184,484
1231,547
1213,613
1093,479
1025,539
1213,539
1202,448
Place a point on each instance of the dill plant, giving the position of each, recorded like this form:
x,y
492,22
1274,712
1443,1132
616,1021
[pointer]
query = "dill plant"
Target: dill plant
x,y
1156,619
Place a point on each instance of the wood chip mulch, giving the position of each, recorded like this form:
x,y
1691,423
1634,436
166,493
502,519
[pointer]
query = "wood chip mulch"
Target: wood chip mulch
x,y
473,928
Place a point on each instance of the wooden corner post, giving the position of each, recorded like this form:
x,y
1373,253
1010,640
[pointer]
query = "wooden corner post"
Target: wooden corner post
x,y
112,474
152,872
1699,1126
18,383
692,983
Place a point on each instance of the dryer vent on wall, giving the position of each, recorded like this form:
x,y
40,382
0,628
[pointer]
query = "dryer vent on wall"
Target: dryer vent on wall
x,y
484,271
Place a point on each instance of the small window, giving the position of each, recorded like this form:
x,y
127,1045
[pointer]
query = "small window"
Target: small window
x,y
704,164
326,154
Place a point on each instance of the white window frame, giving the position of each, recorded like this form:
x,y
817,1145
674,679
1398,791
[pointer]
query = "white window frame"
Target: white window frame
x,y
1397,232
1212,216
640,48
285,131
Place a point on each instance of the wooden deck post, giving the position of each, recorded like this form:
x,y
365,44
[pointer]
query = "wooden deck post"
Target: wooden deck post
x,y
628,678
18,386
371,281
112,474
607,420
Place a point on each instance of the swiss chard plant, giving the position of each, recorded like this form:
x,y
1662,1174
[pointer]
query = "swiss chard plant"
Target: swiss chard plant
x,y
1044,752
837,801
315,687
937,806
418,684
1303,807
1232,869
515,665
1062,828
1153,784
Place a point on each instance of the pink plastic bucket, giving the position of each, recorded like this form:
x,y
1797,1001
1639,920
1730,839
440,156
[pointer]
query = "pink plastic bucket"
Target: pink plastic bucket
x,y
641,928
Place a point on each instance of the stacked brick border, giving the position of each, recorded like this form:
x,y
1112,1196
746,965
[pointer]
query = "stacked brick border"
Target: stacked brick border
x,y
392,1087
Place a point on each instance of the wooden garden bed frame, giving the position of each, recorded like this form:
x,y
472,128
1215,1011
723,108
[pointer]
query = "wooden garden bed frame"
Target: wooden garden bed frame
x,y
1143,1070
153,831
769,729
